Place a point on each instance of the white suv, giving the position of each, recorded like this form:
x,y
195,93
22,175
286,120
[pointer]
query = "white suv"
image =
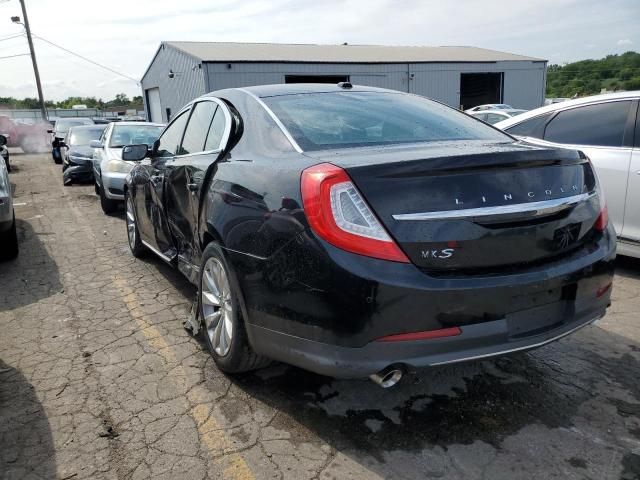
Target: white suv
x,y
607,129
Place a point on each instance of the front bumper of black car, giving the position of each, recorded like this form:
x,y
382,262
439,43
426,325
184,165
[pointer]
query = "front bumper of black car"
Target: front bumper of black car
x,y
78,170
338,322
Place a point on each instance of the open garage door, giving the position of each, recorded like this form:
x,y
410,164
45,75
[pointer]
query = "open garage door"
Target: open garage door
x,y
480,88
153,105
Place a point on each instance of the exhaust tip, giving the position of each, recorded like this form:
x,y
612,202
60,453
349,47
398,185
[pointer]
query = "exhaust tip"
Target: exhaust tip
x,y
387,377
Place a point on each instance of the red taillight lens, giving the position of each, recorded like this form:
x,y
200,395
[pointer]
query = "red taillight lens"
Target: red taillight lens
x,y
602,220
337,212
428,335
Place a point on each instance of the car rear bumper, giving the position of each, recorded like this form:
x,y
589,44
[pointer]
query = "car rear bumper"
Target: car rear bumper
x,y
328,311
476,342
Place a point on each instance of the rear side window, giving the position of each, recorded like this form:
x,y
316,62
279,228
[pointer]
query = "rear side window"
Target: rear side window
x,y
216,131
196,133
172,136
353,119
602,125
534,127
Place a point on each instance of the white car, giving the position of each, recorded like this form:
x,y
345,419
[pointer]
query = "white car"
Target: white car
x,y
494,116
109,170
607,129
489,106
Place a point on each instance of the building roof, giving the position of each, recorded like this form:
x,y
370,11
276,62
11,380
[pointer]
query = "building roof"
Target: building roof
x,y
305,53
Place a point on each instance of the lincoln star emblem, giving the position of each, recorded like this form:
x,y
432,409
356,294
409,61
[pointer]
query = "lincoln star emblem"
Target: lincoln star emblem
x,y
565,236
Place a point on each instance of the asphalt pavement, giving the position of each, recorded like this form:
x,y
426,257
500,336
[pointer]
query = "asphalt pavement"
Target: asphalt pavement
x,y
98,379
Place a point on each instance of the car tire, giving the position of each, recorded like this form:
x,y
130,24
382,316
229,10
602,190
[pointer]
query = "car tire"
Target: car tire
x,y
8,164
9,242
133,234
108,206
222,325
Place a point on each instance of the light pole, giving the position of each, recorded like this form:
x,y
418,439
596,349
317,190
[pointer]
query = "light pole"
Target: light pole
x,y
43,110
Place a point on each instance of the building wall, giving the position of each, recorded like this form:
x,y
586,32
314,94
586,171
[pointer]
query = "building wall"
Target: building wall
x,y
187,84
524,82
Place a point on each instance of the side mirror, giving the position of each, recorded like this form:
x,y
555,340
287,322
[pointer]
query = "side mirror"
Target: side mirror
x,y
154,149
49,131
3,140
134,153
95,144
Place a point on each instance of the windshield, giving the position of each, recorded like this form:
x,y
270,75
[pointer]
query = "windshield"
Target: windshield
x,y
134,135
351,119
84,135
63,126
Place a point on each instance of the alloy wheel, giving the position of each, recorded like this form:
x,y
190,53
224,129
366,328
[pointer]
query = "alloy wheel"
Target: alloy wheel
x,y
217,306
131,224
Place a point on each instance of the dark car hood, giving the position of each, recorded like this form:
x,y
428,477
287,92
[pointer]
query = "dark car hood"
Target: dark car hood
x,y
84,151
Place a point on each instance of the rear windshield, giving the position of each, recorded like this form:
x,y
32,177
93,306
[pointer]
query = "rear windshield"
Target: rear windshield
x,y
319,121
65,125
84,135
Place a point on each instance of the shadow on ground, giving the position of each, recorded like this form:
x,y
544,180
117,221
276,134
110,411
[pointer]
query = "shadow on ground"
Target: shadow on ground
x,y
26,443
33,275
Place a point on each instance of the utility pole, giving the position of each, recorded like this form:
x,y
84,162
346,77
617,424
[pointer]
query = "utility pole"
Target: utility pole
x,y
43,110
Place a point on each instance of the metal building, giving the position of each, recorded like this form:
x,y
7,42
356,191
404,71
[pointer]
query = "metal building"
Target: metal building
x,y
462,77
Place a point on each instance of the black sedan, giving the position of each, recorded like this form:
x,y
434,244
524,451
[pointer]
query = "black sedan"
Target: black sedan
x,y
77,157
355,231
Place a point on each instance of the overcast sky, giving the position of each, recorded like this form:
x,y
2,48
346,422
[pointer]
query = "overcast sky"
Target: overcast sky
x,y
124,34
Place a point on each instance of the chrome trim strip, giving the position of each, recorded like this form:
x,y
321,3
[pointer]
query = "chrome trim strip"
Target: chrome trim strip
x,y
526,347
544,207
294,144
156,251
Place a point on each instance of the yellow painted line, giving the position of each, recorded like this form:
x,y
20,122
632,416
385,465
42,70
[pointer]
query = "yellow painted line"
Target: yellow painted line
x,y
211,434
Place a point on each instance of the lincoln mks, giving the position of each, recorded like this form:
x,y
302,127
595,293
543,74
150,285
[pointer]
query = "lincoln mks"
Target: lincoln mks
x,y
355,231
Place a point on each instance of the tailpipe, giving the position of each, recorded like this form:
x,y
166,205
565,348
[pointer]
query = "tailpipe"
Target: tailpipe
x,y
387,377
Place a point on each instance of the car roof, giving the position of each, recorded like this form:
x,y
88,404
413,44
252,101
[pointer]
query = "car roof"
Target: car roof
x,y
96,126
298,88
567,104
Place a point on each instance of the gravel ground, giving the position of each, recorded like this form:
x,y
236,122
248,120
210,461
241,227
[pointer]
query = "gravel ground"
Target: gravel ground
x,y
98,379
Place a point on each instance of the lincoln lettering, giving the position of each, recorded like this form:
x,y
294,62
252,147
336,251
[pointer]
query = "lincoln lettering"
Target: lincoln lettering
x,y
509,196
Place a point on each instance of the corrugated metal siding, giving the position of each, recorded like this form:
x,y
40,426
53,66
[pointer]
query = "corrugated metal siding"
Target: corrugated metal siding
x,y
523,81
188,83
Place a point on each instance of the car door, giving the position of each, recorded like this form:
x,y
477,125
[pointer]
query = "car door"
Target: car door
x,y
631,228
206,132
604,132
152,217
99,154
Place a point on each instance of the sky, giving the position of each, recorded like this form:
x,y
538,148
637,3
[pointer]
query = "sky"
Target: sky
x,y
124,34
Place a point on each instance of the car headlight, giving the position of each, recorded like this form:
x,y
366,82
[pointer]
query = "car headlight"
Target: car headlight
x,y
118,166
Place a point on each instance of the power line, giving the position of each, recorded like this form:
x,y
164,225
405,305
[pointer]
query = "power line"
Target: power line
x,y
13,56
16,35
87,59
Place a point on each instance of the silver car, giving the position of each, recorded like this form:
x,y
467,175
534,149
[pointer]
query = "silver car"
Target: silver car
x,y
494,116
8,236
109,170
607,129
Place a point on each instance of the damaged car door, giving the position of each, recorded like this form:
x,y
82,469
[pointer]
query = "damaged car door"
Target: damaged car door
x,y
206,132
154,226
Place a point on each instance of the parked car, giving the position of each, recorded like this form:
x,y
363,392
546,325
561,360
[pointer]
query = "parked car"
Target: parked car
x,y
494,116
8,234
59,132
77,163
109,171
4,153
31,137
354,231
607,129
490,106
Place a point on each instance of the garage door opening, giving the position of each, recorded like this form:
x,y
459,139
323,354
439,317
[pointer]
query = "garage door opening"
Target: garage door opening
x,y
316,78
154,109
480,88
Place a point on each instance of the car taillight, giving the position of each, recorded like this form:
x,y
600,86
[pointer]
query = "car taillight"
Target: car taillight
x,y
602,220
338,213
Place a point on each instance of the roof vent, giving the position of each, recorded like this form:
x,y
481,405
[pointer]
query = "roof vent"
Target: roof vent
x,y
345,85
